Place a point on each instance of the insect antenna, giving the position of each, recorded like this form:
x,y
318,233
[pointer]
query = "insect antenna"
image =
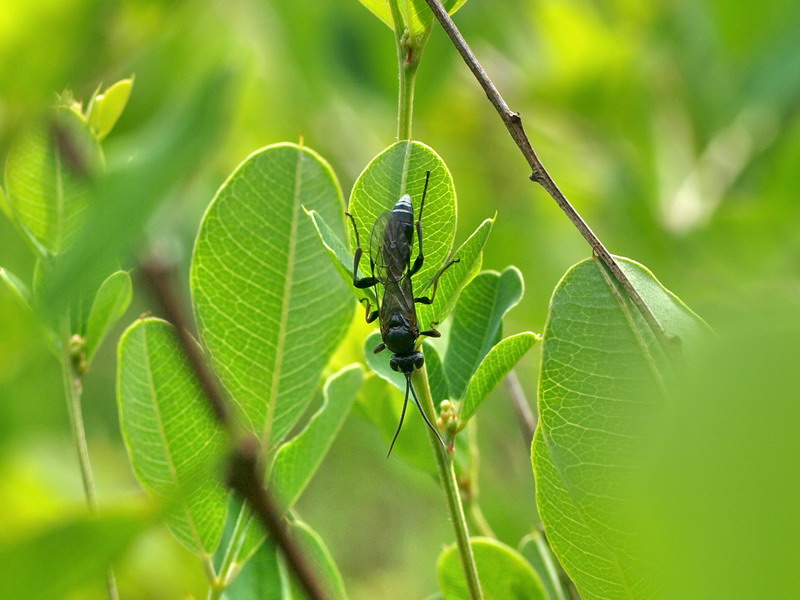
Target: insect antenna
x,y
402,416
424,192
422,412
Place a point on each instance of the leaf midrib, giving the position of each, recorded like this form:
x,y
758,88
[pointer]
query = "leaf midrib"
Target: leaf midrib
x,y
283,323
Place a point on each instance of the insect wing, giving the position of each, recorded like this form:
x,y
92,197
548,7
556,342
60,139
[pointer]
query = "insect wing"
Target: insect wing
x,y
377,240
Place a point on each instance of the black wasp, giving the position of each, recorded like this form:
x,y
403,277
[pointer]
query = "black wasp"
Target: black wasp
x,y
390,248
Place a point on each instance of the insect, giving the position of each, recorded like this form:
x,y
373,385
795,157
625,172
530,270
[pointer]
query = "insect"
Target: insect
x,y
390,248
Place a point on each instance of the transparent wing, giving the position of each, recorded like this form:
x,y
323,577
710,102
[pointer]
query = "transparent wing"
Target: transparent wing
x,y
377,240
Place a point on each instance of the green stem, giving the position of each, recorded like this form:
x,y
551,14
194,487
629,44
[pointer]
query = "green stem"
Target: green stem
x,y
447,475
219,583
73,390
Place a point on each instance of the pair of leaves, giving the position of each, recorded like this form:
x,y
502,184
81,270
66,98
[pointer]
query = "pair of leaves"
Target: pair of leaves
x,y
604,380
271,310
504,574
417,16
476,358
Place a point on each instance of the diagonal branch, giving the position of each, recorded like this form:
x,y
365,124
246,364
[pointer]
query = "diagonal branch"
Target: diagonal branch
x,y
540,175
244,472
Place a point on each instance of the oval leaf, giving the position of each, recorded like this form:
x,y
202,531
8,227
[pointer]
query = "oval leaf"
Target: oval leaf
x,y
603,378
270,306
477,324
398,170
297,460
495,365
172,439
503,573
16,286
47,183
110,303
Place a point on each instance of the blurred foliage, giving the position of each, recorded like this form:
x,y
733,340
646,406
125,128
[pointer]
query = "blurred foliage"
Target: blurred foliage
x,y
673,127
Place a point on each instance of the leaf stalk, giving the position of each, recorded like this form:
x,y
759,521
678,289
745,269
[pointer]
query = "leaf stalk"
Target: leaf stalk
x,y
447,475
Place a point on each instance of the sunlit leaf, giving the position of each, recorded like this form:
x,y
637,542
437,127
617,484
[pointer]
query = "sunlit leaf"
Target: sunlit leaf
x,y
503,573
298,459
58,561
494,366
604,379
269,304
477,322
398,170
107,107
171,436
109,305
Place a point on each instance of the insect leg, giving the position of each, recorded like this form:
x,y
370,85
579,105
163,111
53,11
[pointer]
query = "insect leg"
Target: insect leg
x,y
420,255
419,406
379,348
362,282
435,281
371,316
402,416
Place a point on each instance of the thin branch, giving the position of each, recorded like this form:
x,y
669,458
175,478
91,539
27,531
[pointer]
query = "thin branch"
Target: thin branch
x,y
244,471
527,423
540,175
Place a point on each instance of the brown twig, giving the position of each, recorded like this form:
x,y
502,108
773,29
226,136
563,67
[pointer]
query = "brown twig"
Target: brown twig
x,y
527,423
540,175
244,472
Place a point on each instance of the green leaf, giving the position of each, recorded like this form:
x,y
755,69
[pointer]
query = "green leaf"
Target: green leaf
x,y
477,324
320,561
341,257
5,207
16,286
47,184
495,365
106,108
503,573
535,550
455,278
398,170
380,362
173,441
110,303
604,380
270,306
297,460
417,16
57,562
436,376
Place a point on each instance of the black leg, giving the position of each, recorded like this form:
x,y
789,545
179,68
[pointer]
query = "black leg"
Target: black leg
x,y
429,300
371,316
431,333
362,282
420,255
379,348
402,416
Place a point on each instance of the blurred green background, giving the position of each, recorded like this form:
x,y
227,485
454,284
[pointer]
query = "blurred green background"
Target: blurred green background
x,y
672,126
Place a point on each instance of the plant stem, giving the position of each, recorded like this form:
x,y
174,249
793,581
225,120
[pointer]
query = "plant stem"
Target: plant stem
x,y
527,423
405,101
539,174
73,390
447,475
